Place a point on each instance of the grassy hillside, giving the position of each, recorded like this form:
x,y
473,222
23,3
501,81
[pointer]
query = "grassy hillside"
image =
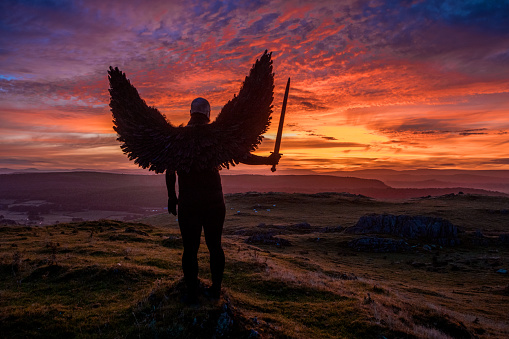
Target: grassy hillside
x,y
119,280
107,191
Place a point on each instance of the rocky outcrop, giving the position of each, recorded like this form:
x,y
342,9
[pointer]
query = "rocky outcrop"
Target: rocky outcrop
x,y
478,238
504,238
300,228
267,239
434,230
378,245
8,222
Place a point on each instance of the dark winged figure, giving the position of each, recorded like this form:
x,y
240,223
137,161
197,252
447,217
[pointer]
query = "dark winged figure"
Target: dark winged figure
x,y
195,153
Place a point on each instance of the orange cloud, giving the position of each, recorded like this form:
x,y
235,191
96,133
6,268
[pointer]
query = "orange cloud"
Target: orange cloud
x,y
374,84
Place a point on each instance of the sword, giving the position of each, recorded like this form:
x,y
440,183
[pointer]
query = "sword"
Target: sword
x,y
277,145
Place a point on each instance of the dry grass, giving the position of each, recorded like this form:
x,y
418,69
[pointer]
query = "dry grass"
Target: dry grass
x,y
114,279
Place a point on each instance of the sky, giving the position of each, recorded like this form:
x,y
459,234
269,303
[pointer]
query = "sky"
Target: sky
x,y
375,84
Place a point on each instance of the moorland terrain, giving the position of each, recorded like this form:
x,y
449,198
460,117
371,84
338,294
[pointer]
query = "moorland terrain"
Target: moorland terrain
x,y
50,198
294,269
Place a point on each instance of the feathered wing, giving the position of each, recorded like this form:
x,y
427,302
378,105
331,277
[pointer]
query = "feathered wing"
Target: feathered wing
x,y
144,132
153,143
243,120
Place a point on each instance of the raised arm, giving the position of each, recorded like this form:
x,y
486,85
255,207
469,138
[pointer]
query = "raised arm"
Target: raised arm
x,y
252,159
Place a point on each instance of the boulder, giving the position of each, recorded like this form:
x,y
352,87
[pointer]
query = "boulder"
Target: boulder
x,y
8,222
478,238
504,238
328,229
435,230
134,230
300,228
268,239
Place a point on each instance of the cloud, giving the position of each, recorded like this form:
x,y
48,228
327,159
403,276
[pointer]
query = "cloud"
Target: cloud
x,y
290,143
476,131
309,132
417,75
501,161
16,161
61,142
309,106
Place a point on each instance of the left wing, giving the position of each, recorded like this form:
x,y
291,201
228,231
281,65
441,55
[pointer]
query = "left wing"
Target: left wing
x,y
145,133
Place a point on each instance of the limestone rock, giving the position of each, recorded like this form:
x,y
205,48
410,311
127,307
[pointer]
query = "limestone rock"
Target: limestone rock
x,y
504,238
267,238
435,230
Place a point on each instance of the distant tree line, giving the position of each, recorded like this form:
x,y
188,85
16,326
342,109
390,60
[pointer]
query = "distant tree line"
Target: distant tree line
x,y
32,209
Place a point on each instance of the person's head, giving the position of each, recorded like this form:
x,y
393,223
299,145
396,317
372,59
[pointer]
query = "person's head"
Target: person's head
x,y
200,105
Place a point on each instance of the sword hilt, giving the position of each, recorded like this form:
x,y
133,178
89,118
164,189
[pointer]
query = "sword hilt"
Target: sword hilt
x,y
273,169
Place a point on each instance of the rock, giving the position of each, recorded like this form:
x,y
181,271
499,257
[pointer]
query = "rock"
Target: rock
x,y
8,222
172,241
504,238
436,230
267,238
479,238
134,230
206,318
438,263
442,322
223,323
301,226
340,275
253,334
328,229
378,245
417,264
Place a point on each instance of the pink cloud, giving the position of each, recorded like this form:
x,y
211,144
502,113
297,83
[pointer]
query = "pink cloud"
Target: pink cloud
x,y
397,71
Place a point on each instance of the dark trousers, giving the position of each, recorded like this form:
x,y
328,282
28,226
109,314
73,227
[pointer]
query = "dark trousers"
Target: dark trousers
x,y
192,216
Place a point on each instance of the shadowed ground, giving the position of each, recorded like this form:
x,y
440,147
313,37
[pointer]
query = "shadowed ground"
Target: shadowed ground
x,y
114,279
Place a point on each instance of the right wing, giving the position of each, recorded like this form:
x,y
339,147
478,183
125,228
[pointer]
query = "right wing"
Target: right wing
x,y
242,121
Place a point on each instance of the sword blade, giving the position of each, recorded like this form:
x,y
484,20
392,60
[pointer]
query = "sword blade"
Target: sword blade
x,y
277,145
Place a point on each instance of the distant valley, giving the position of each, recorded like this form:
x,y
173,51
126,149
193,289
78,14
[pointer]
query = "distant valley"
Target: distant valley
x,y
46,198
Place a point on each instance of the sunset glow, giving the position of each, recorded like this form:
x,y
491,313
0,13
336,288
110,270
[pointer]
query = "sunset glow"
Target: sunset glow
x,y
375,84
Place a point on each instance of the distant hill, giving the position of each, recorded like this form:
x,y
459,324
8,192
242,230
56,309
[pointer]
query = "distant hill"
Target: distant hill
x,y
492,180
299,183
329,183
86,190
95,190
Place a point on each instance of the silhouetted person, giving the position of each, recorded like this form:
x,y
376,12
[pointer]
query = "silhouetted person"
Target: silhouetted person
x,y
196,152
201,205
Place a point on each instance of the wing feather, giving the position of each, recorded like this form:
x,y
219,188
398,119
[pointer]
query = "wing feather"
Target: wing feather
x,y
153,143
144,132
244,119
